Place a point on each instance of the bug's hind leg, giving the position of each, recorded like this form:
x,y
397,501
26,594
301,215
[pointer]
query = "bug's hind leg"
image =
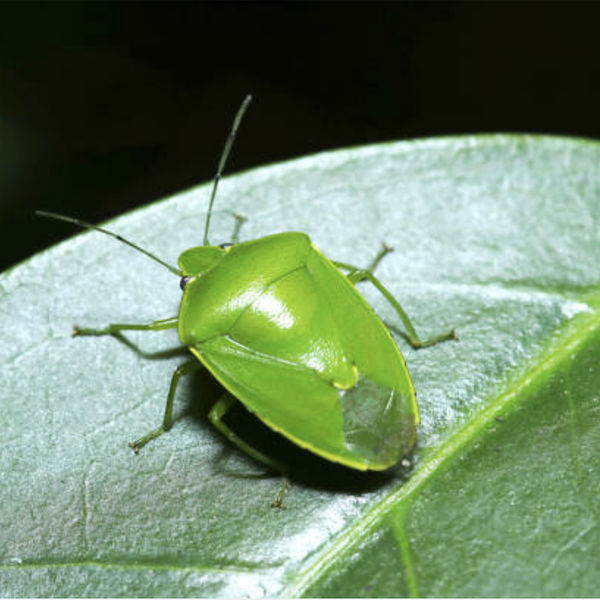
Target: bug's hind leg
x,y
356,275
183,369
216,414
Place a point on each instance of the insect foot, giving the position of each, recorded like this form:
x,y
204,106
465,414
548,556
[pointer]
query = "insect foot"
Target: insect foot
x,y
279,501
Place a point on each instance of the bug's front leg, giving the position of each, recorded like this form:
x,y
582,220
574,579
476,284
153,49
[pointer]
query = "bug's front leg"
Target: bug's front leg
x,y
239,221
113,328
356,275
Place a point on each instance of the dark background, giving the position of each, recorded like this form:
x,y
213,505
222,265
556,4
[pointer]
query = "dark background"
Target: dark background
x,y
106,106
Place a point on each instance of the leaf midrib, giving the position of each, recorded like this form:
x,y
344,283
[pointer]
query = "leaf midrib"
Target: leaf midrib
x,y
572,336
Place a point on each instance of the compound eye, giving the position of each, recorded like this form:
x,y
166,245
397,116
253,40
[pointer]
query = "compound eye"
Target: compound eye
x,y
225,245
184,281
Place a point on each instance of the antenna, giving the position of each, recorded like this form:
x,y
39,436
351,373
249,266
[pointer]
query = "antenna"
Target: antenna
x,y
85,225
224,155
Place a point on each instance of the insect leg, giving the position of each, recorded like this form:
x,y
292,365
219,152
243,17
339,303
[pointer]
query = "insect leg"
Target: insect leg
x,y
216,414
113,328
385,249
239,221
184,369
356,274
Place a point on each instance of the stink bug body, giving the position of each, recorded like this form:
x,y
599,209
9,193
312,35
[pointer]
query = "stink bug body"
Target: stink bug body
x,y
287,333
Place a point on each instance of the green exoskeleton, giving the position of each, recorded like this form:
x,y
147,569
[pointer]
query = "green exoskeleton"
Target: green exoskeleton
x,y
286,332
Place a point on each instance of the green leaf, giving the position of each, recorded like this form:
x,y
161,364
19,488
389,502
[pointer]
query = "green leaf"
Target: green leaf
x,y
497,236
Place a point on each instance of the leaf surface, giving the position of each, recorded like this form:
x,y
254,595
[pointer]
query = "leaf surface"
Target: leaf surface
x,y
496,236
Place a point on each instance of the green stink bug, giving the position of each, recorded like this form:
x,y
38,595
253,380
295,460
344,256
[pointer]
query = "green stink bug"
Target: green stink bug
x,y
286,332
